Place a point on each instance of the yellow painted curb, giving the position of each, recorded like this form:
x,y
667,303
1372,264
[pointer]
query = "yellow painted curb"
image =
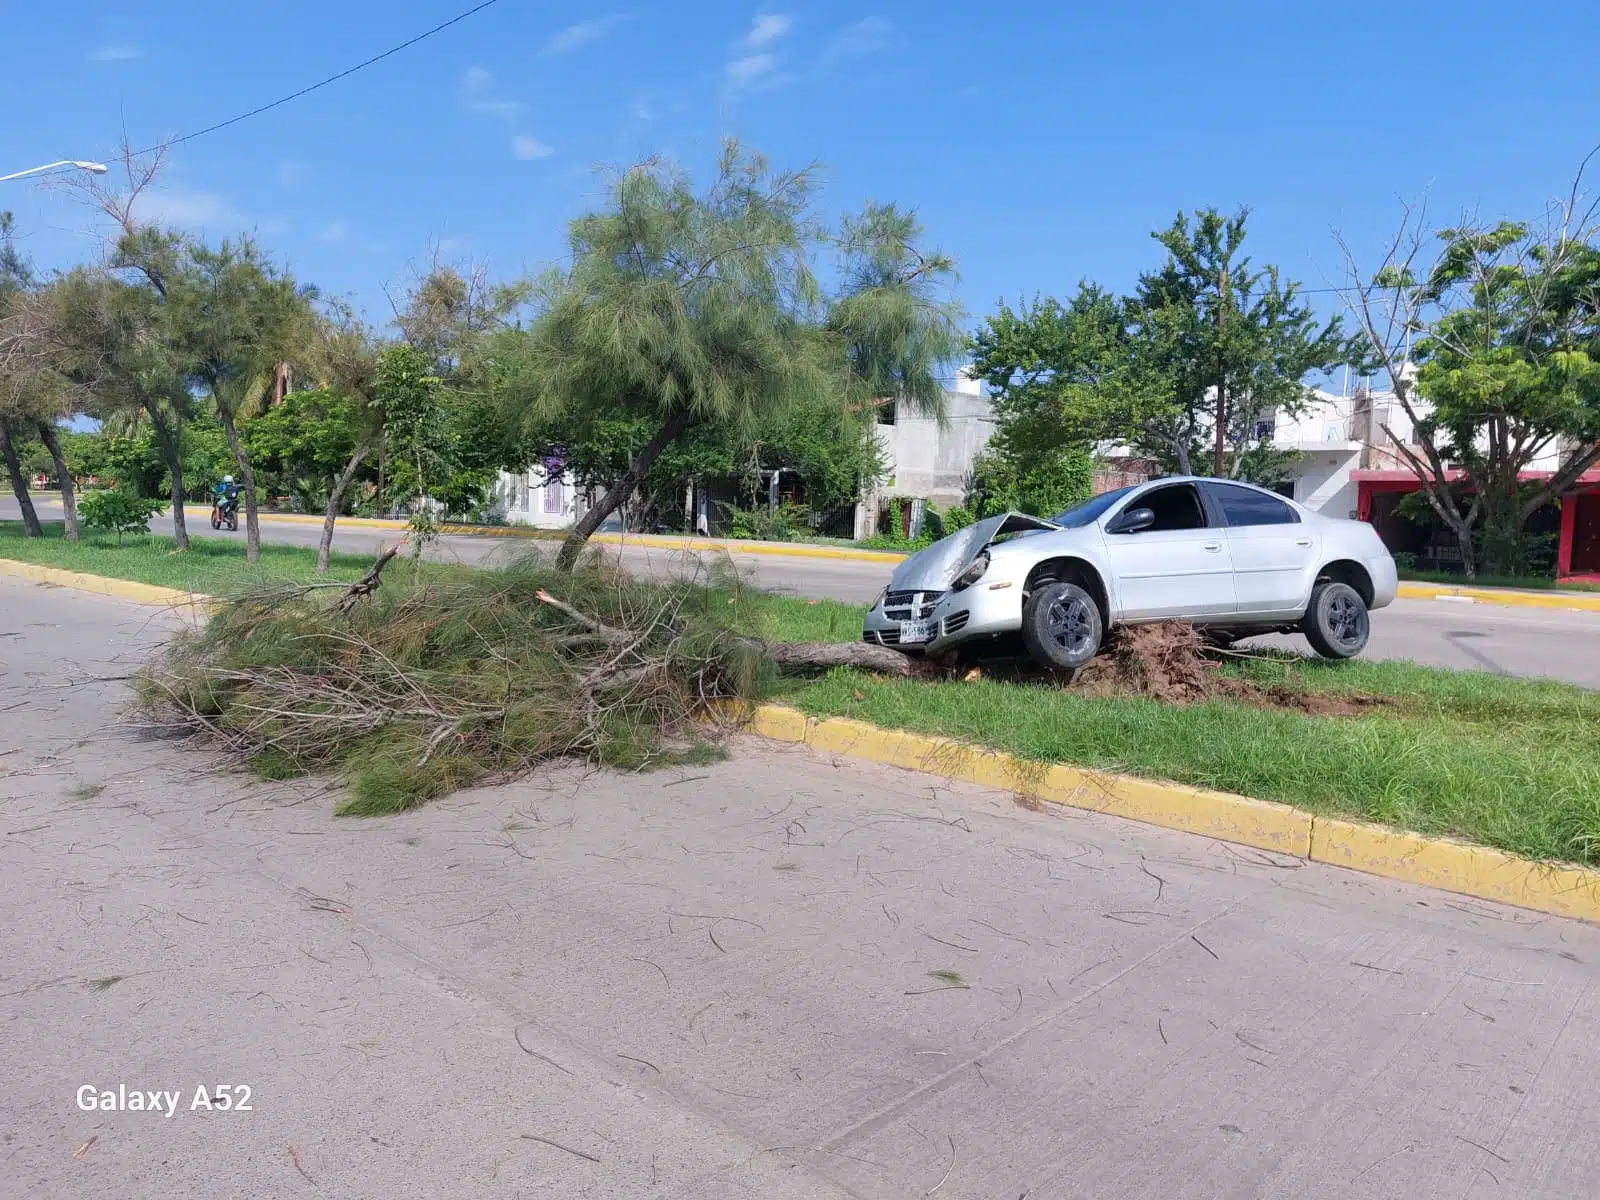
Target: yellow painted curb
x,y
1455,867
646,540
1507,599
1275,827
735,546
120,589
1372,849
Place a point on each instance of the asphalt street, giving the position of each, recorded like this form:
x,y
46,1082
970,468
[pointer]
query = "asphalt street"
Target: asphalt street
x,y
1507,641
778,976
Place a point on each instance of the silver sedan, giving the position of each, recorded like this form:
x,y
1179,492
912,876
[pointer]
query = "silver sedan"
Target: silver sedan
x,y
1232,558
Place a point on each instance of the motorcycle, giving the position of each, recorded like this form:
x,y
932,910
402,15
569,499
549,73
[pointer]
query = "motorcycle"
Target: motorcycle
x,y
225,512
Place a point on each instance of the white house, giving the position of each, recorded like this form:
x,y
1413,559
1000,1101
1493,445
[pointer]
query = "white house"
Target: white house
x,y
529,498
926,460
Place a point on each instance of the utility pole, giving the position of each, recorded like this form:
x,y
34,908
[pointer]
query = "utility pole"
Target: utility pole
x,y
1222,372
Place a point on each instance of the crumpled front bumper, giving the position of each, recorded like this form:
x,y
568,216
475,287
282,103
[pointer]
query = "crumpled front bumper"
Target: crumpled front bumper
x,y
961,616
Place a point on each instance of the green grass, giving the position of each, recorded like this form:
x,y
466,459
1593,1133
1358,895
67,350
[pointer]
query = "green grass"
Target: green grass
x,y
1508,763
1524,583
211,566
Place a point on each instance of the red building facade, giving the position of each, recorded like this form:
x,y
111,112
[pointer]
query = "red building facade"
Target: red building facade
x,y
1578,533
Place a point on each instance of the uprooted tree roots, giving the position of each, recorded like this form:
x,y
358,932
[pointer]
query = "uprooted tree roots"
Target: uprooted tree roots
x,y
415,690
1171,662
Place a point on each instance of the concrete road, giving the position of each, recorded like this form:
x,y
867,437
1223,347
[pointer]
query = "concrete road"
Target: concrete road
x,y
779,976
1508,641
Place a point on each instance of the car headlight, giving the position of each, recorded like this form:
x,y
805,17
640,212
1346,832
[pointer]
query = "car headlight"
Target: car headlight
x,y
972,574
878,599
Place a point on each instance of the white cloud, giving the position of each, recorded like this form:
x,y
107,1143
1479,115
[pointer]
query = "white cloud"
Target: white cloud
x,y
111,54
175,206
866,36
475,85
336,232
749,68
583,33
527,147
767,28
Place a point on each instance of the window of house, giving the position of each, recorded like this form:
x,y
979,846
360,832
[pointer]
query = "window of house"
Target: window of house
x,y
555,496
1246,506
1176,507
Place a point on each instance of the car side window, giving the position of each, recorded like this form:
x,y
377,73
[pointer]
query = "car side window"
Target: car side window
x,y
1176,507
1244,506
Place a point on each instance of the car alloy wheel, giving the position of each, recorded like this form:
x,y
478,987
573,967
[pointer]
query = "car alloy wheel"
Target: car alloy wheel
x,y
1347,621
1061,626
1071,625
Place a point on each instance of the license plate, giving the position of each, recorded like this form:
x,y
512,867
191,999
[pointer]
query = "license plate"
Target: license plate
x,y
913,632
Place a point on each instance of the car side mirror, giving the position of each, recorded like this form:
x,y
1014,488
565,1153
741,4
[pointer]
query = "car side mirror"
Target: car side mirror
x,y
1133,521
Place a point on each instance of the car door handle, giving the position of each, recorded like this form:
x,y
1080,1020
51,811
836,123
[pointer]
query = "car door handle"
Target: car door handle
x,y
1302,541
1214,547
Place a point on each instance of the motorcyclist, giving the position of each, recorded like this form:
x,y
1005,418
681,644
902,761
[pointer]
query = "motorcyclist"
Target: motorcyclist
x,y
226,495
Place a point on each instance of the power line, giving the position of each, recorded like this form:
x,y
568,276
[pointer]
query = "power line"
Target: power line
x,y
306,91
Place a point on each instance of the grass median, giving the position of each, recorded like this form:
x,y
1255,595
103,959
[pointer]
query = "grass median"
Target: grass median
x,y
1503,762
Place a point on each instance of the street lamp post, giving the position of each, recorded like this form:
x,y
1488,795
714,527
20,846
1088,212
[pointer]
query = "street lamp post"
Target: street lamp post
x,y
94,168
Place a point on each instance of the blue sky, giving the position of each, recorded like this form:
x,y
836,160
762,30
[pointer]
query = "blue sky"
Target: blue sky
x,y
1041,143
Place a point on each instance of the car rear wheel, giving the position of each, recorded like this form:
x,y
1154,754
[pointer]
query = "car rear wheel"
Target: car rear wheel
x,y
1336,621
1061,626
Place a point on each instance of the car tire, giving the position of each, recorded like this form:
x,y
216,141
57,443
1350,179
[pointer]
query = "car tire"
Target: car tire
x,y
1062,626
1336,622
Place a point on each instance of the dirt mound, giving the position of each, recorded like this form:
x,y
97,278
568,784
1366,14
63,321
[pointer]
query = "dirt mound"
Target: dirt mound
x,y
1171,662
1164,661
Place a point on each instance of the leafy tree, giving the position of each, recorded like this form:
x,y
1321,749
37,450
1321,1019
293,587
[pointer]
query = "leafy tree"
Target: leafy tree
x,y
119,511
1205,348
32,394
111,343
685,309
890,316
416,420
1234,344
1492,347
1042,483
1060,378
234,317
680,309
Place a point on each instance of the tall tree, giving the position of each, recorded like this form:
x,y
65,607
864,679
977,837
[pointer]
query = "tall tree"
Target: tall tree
x,y
348,354
19,367
111,342
1490,337
897,326
235,317
680,307
1234,343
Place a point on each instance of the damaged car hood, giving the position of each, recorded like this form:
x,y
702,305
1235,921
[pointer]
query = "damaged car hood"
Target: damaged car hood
x,y
935,568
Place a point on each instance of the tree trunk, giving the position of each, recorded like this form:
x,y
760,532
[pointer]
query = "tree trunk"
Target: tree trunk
x,y
383,462
252,525
69,496
19,484
1222,377
621,489
335,499
1181,449
795,657
171,450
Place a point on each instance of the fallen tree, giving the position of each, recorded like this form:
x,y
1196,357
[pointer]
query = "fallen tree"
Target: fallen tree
x,y
421,683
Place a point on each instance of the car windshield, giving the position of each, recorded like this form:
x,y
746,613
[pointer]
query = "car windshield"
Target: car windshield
x,y
1073,518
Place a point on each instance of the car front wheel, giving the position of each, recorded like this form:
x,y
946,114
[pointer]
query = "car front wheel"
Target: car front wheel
x,y
1061,626
1336,621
